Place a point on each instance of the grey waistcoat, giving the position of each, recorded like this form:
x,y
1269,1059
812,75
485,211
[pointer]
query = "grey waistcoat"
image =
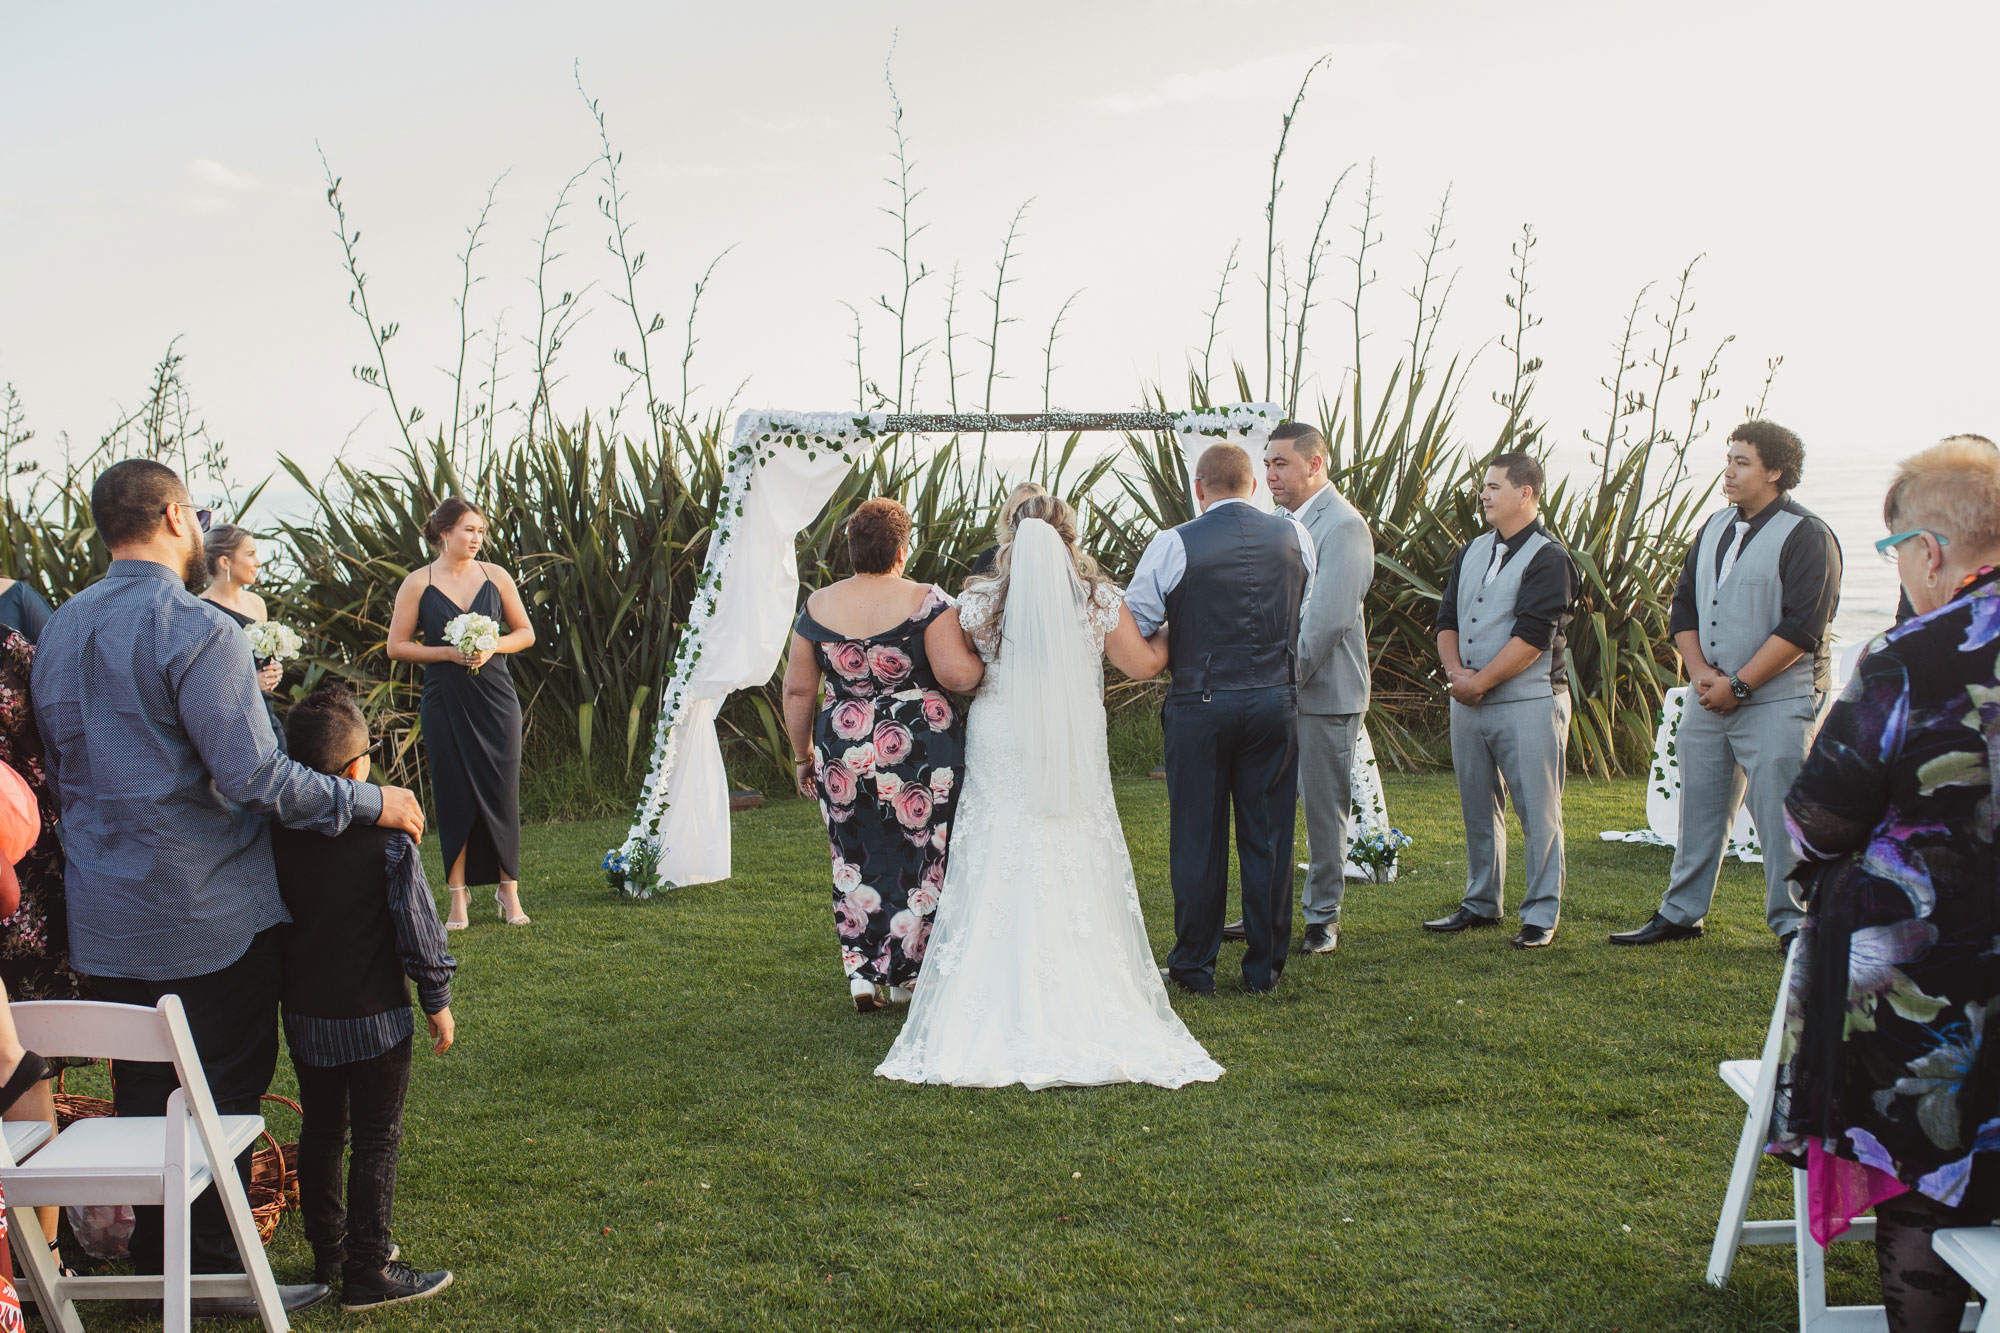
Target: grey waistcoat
x,y
1738,617
1486,616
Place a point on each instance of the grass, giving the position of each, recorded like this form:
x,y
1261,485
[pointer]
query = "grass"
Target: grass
x,y
662,1117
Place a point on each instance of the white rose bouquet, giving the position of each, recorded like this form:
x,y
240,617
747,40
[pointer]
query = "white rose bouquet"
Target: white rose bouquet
x,y
472,634
272,641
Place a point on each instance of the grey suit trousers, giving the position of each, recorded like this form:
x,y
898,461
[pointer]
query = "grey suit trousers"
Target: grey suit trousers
x,y
1757,751
1514,751
1326,789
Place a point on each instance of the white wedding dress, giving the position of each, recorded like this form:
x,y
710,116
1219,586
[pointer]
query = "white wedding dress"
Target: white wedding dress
x,y
1038,970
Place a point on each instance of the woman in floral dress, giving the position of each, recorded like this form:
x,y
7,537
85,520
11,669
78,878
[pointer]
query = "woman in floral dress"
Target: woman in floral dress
x,y
879,746
1890,1091
34,941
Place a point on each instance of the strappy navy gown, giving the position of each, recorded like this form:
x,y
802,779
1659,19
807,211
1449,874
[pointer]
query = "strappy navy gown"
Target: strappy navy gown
x,y
472,733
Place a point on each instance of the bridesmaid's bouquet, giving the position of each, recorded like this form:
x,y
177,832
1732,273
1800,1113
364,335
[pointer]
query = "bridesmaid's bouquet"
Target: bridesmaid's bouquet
x,y
472,633
271,641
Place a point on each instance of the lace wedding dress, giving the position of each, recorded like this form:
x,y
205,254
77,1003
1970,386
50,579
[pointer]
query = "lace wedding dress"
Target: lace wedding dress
x,y
1039,971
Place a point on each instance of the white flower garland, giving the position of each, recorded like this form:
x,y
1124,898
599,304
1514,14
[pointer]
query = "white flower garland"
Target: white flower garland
x,y
1229,419
758,437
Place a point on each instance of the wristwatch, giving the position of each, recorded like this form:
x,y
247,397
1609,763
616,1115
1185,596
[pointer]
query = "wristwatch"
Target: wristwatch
x,y
1738,688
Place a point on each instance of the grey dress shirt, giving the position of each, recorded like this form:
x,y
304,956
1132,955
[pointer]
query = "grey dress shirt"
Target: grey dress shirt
x,y
162,758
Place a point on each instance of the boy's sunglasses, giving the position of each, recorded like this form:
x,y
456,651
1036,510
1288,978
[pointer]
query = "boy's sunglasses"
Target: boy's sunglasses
x,y
374,747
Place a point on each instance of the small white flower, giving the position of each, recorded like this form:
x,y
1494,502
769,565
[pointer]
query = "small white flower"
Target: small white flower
x,y
472,633
274,641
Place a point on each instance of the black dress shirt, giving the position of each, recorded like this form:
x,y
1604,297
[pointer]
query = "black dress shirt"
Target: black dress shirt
x,y
1541,608
982,564
1808,568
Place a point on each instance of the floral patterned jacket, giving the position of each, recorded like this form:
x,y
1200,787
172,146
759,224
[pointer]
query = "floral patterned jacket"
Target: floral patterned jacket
x,y
1896,971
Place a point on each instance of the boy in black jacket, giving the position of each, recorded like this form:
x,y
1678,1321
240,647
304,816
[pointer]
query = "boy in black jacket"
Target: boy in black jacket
x,y
364,925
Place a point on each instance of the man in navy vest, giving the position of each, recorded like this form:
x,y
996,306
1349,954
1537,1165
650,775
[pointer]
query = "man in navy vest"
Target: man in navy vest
x,y
1756,598
1500,640
1228,586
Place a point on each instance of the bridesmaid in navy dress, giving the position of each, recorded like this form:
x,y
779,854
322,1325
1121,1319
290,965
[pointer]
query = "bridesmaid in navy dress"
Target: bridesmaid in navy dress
x,y
471,715
233,565
881,752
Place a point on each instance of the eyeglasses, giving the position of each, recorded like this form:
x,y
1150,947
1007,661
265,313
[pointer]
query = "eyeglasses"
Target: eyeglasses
x,y
1886,548
202,517
368,753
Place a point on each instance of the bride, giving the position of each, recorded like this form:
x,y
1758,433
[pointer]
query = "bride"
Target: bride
x,y
1038,970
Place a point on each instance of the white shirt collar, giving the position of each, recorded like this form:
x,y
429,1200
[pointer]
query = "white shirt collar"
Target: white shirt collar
x,y
1318,498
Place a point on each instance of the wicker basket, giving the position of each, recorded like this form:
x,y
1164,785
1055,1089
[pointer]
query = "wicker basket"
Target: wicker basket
x,y
274,1179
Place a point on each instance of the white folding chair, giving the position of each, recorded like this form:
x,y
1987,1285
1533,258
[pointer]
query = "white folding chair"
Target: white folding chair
x,y
1975,1253
166,1161
1756,1082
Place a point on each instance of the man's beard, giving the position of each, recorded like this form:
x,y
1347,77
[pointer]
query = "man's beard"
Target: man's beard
x,y
194,569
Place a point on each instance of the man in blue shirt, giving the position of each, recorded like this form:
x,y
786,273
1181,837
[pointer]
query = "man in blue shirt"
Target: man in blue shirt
x,y
167,771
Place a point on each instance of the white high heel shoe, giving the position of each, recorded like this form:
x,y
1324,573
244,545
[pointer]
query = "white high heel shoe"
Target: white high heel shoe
x,y
520,919
449,924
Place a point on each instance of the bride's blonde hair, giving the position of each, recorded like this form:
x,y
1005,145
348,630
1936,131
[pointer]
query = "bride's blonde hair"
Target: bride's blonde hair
x,y
1058,514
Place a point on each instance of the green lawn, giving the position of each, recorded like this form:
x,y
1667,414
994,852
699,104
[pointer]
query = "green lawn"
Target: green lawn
x,y
661,1116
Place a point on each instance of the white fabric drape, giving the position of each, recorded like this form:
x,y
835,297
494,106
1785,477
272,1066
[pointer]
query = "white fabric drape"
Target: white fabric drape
x,y
743,635
1193,443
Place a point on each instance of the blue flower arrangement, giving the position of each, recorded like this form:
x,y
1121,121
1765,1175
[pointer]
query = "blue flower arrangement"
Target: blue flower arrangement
x,y
1377,850
632,869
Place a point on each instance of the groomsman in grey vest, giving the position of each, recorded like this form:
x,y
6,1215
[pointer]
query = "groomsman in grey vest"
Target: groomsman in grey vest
x,y
1757,593
1333,664
1228,586
1500,640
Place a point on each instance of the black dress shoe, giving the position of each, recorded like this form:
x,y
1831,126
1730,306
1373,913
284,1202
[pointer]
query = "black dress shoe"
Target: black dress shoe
x,y
293,1298
1534,937
1175,983
1658,930
1321,939
1462,919
1234,931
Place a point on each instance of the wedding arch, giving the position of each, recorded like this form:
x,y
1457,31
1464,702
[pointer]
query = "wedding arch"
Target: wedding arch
x,y
783,467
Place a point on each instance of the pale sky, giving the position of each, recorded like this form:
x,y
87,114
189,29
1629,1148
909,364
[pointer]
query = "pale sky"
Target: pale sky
x,y
158,176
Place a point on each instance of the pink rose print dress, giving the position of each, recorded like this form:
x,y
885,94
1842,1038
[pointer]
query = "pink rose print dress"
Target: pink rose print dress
x,y
890,748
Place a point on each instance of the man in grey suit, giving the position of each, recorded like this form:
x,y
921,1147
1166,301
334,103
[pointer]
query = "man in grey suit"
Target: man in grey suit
x,y
1333,664
1501,641
1757,595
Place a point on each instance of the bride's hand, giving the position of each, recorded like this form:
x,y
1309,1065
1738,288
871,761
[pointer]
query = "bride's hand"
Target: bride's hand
x,y
807,771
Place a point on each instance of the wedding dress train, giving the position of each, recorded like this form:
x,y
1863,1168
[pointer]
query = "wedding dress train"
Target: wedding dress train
x,y
1038,970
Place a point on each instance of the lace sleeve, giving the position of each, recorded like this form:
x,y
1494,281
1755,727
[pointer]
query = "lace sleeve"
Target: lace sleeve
x,y
975,617
1106,600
